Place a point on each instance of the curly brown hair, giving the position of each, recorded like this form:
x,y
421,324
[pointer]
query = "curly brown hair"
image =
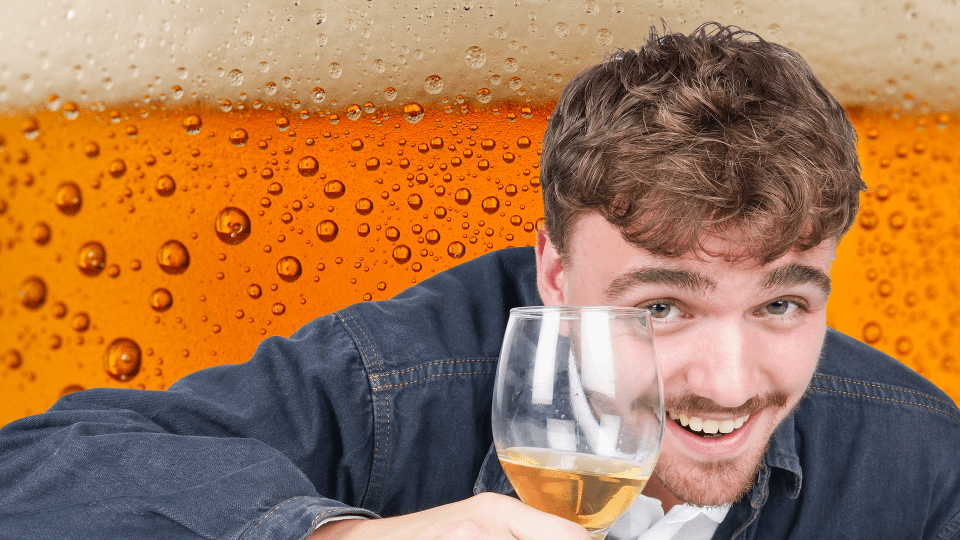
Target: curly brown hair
x,y
717,133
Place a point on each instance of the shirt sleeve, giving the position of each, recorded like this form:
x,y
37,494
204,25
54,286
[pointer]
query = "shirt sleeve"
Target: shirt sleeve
x,y
265,449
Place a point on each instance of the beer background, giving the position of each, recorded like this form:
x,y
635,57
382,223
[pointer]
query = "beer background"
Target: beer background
x,y
181,180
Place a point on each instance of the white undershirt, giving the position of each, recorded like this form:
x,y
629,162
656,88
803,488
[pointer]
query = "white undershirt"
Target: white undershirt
x,y
644,520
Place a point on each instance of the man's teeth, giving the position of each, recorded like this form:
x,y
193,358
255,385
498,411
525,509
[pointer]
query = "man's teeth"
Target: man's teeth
x,y
709,427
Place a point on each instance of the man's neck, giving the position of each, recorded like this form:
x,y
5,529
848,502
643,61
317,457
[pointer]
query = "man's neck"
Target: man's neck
x,y
656,489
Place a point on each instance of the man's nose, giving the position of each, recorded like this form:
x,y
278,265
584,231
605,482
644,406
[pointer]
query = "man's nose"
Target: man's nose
x,y
724,367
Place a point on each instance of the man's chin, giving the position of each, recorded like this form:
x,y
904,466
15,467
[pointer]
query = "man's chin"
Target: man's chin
x,y
712,483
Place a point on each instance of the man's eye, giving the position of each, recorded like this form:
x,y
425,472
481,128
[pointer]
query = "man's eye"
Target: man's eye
x,y
780,307
662,310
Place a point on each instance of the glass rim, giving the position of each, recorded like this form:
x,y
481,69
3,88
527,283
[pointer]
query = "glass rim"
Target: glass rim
x,y
570,311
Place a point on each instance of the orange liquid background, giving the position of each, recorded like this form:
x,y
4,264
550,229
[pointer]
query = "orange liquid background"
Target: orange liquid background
x,y
407,199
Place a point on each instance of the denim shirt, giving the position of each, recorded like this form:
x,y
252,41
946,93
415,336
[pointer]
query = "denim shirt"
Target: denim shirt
x,y
383,408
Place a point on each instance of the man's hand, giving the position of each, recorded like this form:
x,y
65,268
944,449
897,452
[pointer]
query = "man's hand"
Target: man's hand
x,y
488,516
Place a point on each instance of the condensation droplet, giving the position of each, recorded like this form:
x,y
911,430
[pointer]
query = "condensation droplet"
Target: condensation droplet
x,y
117,168
390,93
40,233
33,292
69,199
282,123
235,77
904,345
353,112
356,145
364,206
363,229
161,300
872,332
413,112
278,309
12,359
415,201
373,164
308,166
289,269
488,144
462,196
392,234
868,219
173,257
122,359
334,189
91,258
475,57
456,250
318,94
524,142
897,221
604,37
334,70
401,254
327,230
490,204
561,29
232,225
165,186
238,137
80,322
432,236
91,149
254,291
192,124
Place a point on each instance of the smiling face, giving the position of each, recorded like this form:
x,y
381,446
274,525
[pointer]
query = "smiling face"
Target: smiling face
x,y
738,343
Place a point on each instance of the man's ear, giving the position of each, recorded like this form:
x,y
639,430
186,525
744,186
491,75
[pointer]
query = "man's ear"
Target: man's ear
x,y
551,279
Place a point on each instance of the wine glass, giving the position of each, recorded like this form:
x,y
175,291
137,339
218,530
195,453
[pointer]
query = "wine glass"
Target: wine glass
x,y
578,410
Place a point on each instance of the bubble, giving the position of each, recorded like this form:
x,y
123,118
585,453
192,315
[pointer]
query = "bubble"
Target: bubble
x,y
475,57
490,204
117,168
12,359
122,359
308,166
354,111
318,94
415,201
413,112
192,123
238,137
91,149
289,269
165,186
235,77
278,309
373,164
40,233
80,322
334,189
161,300
232,225
432,236
488,144
484,95
91,258
456,250
327,230
69,199
282,123
33,292
872,332
392,234
401,254
173,257
364,206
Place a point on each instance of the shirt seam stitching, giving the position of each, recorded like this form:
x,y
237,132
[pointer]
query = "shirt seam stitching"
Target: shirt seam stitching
x,y
433,376
883,386
270,513
951,415
431,364
950,527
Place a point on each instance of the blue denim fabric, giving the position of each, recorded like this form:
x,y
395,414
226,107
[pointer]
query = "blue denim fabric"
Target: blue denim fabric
x,y
383,408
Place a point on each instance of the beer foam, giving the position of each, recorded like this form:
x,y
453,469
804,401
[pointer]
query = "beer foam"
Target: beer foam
x,y
875,54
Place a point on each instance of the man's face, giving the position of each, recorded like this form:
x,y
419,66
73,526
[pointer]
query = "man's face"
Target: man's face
x,y
738,343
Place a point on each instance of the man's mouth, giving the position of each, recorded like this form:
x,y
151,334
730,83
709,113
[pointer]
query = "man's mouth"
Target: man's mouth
x,y
708,429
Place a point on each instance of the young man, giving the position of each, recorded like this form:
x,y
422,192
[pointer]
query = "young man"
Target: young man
x,y
707,178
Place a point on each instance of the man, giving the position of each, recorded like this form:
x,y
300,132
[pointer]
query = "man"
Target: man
x,y
706,178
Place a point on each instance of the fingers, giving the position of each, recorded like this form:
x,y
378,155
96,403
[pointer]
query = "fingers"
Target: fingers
x,y
523,522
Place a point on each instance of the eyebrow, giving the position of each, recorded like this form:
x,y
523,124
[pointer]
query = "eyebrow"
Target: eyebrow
x,y
797,274
683,279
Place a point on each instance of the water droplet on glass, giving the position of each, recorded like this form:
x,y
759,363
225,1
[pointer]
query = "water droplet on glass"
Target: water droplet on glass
x,y
413,112
165,186
488,144
868,219
392,234
40,233
373,164
354,112
122,359
80,322
475,57
191,124
604,37
897,221
356,145
390,93
173,257
462,196
327,230
308,166
432,236
289,269
278,308
254,291
364,206
275,188
161,300
904,345
283,123
33,292
91,149
334,189
440,212
68,198
363,229
238,137
872,332
117,168
91,258
319,16
561,29
30,128
415,201
318,94
12,359
490,204
456,250
232,225
334,70
235,77
401,254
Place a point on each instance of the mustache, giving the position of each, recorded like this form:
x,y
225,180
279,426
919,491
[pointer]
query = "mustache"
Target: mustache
x,y
692,403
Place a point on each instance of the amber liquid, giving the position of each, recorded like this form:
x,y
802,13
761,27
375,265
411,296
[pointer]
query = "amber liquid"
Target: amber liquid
x,y
140,243
590,490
